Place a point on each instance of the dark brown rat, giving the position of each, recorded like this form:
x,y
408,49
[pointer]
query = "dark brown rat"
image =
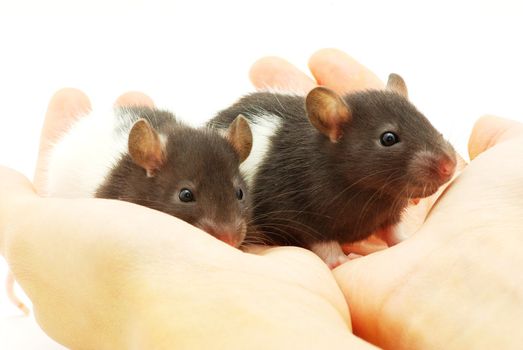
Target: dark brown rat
x,y
328,169
146,156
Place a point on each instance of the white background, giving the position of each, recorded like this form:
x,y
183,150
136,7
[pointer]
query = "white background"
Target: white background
x,y
460,59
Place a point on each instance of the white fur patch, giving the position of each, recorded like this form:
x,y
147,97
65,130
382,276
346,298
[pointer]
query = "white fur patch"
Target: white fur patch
x,y
263,127
81,160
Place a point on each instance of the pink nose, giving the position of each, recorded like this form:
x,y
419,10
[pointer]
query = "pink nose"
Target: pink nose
x,y
446,168
231,240
223,235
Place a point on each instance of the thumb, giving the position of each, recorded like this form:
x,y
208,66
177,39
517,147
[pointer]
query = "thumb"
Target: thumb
x,y
490,131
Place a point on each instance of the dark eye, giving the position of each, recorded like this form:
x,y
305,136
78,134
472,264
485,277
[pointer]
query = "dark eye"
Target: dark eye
x,y
239,194
389,138
186,195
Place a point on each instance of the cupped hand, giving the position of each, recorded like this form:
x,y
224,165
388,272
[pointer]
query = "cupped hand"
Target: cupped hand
x,y
111,274
456,283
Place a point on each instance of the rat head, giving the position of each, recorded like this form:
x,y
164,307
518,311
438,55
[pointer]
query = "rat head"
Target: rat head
x,y
193,174
381,141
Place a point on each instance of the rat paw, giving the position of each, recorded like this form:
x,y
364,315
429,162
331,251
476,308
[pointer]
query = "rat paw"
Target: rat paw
x,y
330,252
334,262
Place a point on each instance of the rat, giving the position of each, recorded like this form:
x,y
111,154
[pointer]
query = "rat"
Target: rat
x,y
146,156
326,169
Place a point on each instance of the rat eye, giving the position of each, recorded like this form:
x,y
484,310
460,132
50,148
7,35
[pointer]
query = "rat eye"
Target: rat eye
x,y
239,194
388,138
186,195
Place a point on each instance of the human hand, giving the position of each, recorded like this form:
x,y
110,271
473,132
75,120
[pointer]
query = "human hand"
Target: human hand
x,y
101,275
456,283
452,285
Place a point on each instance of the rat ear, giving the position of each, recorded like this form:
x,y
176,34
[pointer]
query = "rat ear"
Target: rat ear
x,y
145,147
397,84
327,112
240,137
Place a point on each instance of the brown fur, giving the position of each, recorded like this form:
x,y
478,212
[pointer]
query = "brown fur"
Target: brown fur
x,y
200,160
310,189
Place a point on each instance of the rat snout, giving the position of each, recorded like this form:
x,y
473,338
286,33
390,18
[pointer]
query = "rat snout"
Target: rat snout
x,y
445,168
229,234
438,167
230,239
429,171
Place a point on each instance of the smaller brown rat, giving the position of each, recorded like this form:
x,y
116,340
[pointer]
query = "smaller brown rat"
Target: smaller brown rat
x,y
327,169
148,157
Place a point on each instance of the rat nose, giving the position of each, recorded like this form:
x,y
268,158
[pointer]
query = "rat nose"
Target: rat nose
x,y
228,236
230,239
446,167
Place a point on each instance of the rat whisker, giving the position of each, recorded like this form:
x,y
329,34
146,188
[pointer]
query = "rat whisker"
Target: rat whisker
x,y
367,206
309,187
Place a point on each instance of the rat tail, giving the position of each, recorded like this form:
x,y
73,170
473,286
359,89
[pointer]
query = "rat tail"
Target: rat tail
x,y
10,286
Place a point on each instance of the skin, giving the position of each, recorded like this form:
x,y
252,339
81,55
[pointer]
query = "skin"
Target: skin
x,y
454,284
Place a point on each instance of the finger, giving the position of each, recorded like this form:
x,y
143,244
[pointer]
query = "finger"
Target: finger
x,y
276,73
13,185
489,131
290,260
342,73
362,291
134,98
64,108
